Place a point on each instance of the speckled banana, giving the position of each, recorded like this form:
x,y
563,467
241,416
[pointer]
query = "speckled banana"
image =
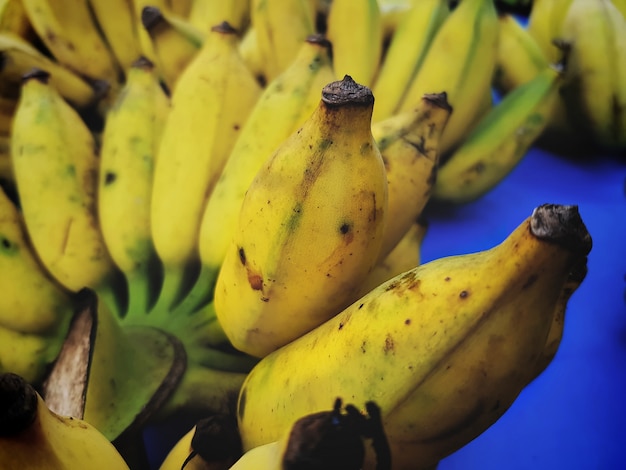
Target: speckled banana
x,y
286,102
280,27
595,92
34,310
406,51
175,42
500,140
210,104
310,227
55,167
32,436
70,32
460,61
426,338
132,133
409,143
357,38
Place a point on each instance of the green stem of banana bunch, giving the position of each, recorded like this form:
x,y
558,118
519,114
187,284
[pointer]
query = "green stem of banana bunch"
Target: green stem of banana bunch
x,y
177,281
143,287
201,294
114,294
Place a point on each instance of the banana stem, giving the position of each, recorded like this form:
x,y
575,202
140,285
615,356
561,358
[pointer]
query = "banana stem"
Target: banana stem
x,y
177,280
202,291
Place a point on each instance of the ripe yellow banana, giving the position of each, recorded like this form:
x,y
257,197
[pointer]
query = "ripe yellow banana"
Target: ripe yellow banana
x,y
286,102
251,54
18,57
175,42
34,437
500,140
595,92
280,26
310,227
13,19
130,139
406,51
55,167
70,32
409,144
145,42
443,349
210,104
544,25
203,15
357,38
460,61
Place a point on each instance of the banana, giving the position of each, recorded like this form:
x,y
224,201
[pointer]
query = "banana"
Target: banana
x,y
55,167
409,144
391,14
461,62
324,187
284,105
280,27
251,55
18,57
69,31
620,5
544,25
406,51
325,439
175,42
145,42
595,92
500,140
33,437
357,38
13,19
210,104
203,15
130,140
433,346
213,443
181,8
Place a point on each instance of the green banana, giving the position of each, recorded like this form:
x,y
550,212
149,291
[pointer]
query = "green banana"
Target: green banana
x,y
431,346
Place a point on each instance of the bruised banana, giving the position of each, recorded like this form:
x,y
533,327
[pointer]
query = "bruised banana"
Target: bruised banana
x,y
56,167
324,187
210,104
34,437
500,140
286,102
432,346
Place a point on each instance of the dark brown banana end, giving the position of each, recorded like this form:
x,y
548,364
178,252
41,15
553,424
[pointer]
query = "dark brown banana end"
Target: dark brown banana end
x,y
347,92
561,224
151,17
18,404
216,440
439,99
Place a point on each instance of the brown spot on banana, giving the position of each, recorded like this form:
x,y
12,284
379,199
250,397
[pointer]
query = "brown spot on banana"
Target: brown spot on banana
x,y
254,279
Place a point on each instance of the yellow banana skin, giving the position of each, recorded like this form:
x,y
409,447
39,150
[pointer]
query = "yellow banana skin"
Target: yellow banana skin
x,y
34,437
210,104
325,186
409,143
422,340
283,106
544,25
130,141
357,38
13,19
408,46
203,15
499,141
461,62
595,92
55,166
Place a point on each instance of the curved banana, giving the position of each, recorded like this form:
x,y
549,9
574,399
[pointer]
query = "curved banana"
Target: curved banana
x,y
210,104
130,140
175,42
406,51
409,144
286,102
56,167
280,28
70,32
251,55
544,25
324,187
18,57
203,15
595,92
500,140
357,38
34,437
425,338
460,61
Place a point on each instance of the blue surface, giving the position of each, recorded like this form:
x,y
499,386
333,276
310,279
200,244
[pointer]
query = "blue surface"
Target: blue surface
x,y
573,416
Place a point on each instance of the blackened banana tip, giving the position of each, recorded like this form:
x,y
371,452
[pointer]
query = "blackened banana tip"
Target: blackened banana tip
x,y
18,404
561,224
439,99
217,438
319,39
36,74
224,27
347,92
150,17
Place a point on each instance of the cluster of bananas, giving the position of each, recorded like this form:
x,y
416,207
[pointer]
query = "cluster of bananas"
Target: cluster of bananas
x,y
204,210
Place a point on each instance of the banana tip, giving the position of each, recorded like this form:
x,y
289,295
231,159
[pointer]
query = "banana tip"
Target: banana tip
x,y
18,404
347,91
561,224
